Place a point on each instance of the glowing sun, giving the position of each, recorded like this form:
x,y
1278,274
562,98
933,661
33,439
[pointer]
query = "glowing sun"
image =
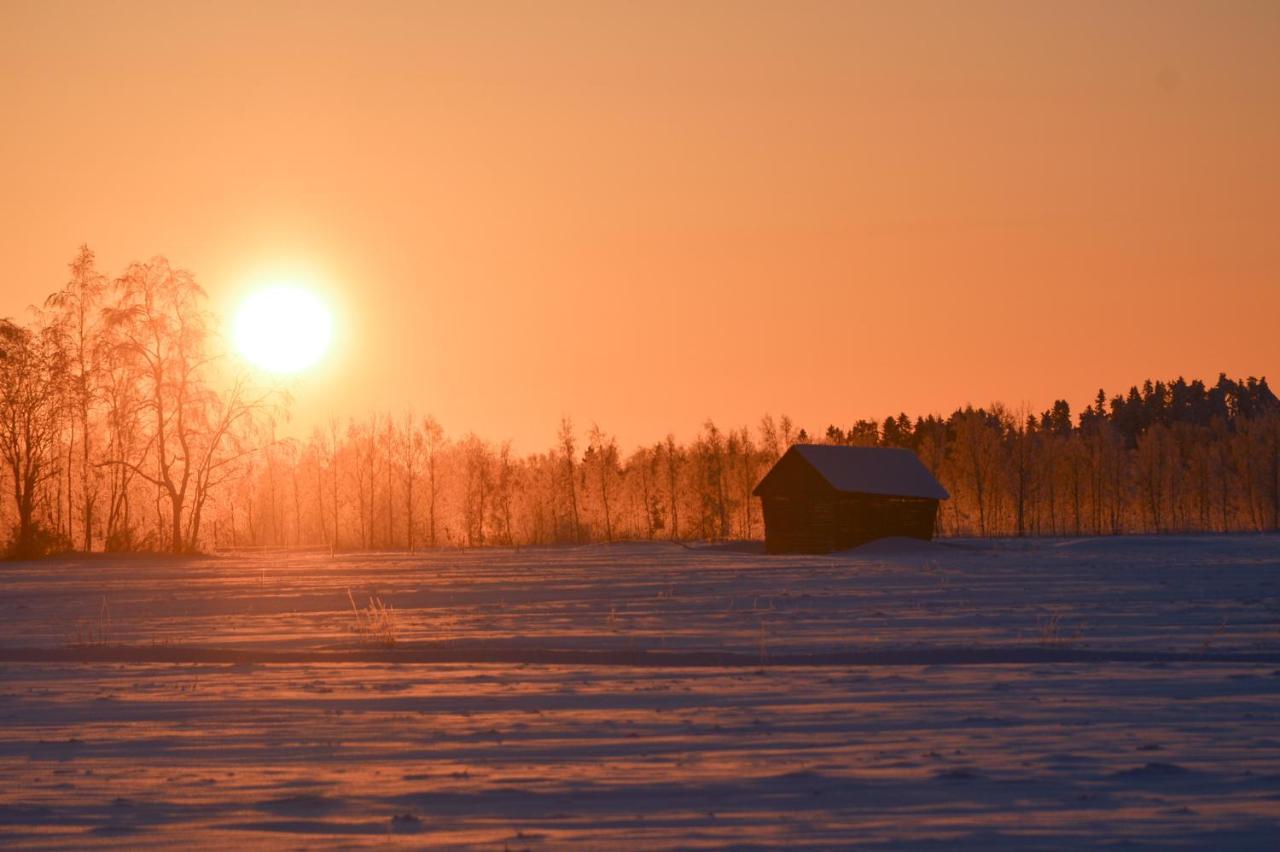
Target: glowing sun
x,y
283,329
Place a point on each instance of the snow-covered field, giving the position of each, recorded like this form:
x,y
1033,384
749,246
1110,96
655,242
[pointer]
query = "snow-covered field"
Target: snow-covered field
x,y
981,694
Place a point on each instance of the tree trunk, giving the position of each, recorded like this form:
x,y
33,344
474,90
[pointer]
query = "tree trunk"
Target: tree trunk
x,y
179,544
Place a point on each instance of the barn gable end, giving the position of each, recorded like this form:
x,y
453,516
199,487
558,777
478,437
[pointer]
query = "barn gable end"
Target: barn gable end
x,y
792,475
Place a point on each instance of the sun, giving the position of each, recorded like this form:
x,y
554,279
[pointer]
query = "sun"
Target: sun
x,y
283,328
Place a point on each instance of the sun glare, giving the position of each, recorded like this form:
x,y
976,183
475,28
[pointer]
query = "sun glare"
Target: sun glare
x,y
283,329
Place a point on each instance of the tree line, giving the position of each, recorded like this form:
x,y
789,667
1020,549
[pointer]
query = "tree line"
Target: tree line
x,y
120,416
124,426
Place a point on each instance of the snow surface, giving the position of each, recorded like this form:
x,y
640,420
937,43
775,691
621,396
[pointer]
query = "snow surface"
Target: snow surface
x,y
1039,694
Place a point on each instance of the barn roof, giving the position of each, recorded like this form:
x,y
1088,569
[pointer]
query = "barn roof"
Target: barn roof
x,y
865,470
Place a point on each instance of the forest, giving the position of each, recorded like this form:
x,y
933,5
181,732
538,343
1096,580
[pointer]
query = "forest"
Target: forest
x,y
125,426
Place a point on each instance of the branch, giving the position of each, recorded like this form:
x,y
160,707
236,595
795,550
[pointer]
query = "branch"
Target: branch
x,y
133,467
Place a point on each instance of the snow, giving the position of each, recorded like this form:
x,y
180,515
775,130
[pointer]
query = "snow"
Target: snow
x,y
957,694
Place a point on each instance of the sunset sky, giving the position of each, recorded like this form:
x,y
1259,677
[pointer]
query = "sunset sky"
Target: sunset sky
x,y
647,214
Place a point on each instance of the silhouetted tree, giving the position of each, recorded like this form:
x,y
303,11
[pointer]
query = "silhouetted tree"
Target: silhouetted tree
x,y
161,332
32,394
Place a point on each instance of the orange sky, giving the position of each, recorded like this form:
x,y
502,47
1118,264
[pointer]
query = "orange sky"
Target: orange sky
x,y
646,214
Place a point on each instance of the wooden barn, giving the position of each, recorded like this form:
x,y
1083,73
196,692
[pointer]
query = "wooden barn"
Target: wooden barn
x,y
820,497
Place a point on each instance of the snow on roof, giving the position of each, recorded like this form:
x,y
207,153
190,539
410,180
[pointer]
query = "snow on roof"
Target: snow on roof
x,y
872,470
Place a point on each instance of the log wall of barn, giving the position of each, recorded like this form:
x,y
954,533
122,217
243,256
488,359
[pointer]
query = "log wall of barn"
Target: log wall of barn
x,y
821,524
804,524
